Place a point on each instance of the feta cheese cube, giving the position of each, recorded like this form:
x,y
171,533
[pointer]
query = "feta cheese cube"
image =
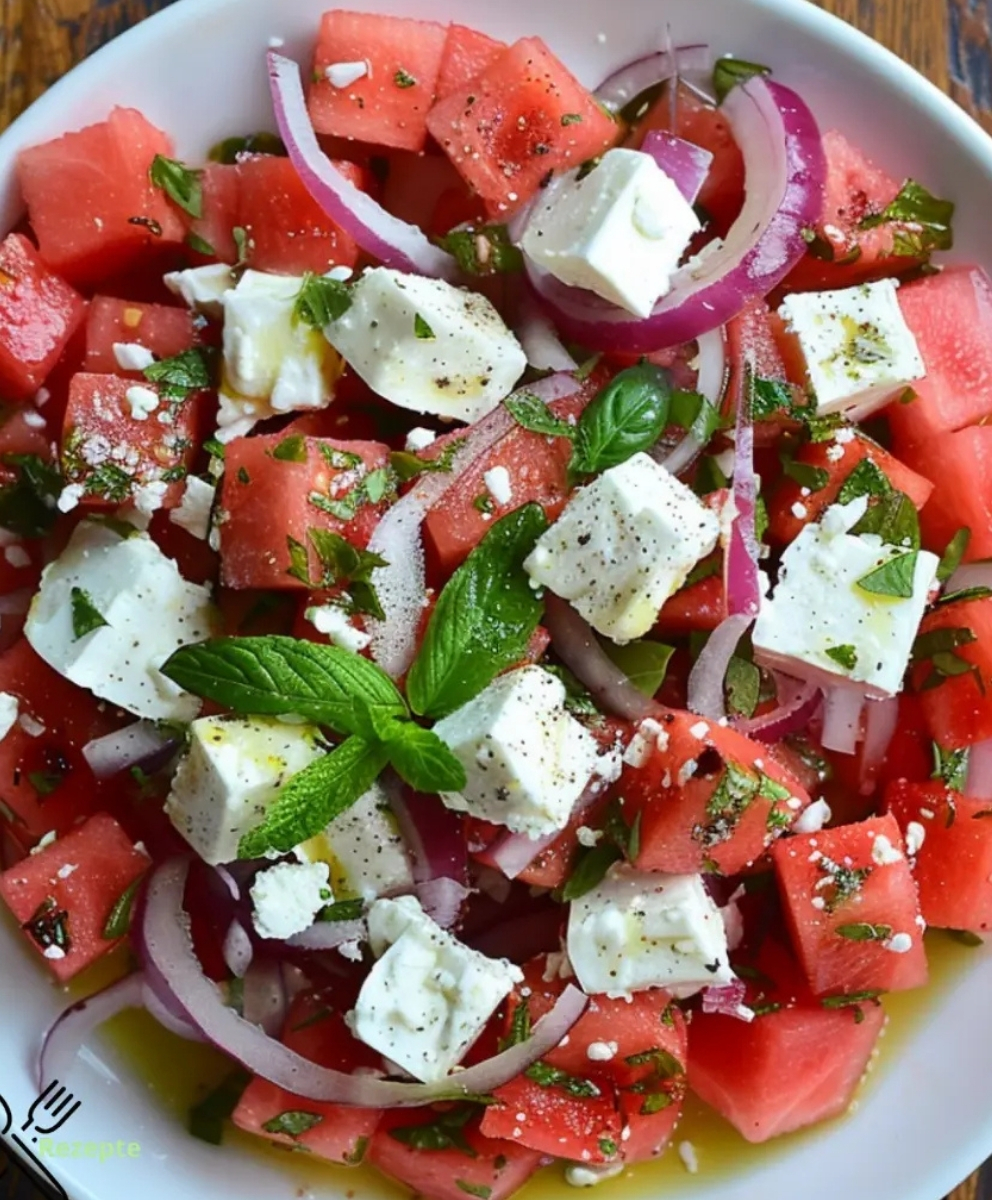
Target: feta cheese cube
x,y
639,930
193,513
427,999
428,346
363,849
625,543
9,707
273,363
619,231
286,898
132,356
333,622
230,776
149,610
527,759
819,624
859,351
203,288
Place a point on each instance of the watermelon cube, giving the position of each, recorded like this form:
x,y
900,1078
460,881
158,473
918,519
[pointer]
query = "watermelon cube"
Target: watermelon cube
x,y
853,909
388,105
64,894
467,53
91,201
163,331
524,117
961,462
39,313
954,691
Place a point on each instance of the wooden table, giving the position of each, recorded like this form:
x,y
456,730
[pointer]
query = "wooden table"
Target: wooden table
x,y
950,41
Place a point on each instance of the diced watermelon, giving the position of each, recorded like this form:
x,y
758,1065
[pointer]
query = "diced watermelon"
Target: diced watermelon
x,y
961,465
91,201
583,1127
267,501
164,331
754,342
389,104
950,315
490,1168
955,687
525,116
844,254
64,894
111,454
701,798
796,1064
953,865
334,1132
38,315
467,53
794,506
286,230
853,908
700,606
426,190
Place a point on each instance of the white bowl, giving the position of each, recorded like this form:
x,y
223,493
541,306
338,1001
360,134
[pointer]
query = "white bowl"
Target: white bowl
x,y
197,70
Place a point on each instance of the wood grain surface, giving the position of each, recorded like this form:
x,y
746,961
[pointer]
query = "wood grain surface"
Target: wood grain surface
x,y
950,41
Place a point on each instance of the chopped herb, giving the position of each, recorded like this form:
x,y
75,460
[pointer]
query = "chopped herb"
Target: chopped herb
x,y
817,246
854,1000
771,397
46,782
865,480
230,149
546,1076
343,563
863,932
200,245
214,448
86,617
586,368
180,375
964,595
766,1009
293,1123
742,685
119,919
807,476
243,476
692,412
645,663
206,1119
408,466
291,449
403,79
520,1026
357,1156
445,1133
378,484
484,504
49,925
111,482
737,788
929,221
965,937
666,1065
533,414
315,1018
474,1189
343,910
894,519
590,870
704,570
845,656
242,243
608,1147
951,766
422,330
940,647
729,72
183,186
953,555
321,301
28,505
895,578
485,250
571,119
840,884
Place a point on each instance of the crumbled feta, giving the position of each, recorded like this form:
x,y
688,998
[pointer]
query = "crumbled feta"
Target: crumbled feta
x,y
53,952
286,898
916,835
132,356
859,351
624,544
66,870
818,606
814,818
527,759
17,556
619,230
639,930
601,1051
149,497
142,401
883,853
70,497
44,842
419,439
648,737
364,849
31,726
900,943
427,999
333,622
588,837
582,1175
344,74
149,610
193,513
230,776
428,346
497,481
690,1160
203,288
8,713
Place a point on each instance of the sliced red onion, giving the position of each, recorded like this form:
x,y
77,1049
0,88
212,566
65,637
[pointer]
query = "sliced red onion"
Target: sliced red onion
x,y
576,645
881,721
740,566
433,833
842,710
329,935
979,783
693,62
128,747
385,237
706,679
64,1039
491,883
970,575
521,938
797,703
443,900
785,171
733,921
728,1001
169,949
397,538
229,882
167,1018
711,383
264,996
540,340
16,604
685,164
238,950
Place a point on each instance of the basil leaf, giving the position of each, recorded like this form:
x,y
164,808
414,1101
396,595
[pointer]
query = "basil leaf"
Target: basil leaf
x,y
28,505
206,1119
421,330
520,1026
894,519
743,686
533,414
483,620
930,221
729,72
483,251
894,578
180,375
865,480
421,758
119,918
590,870
692,412
293,1123
307,804
183,186
845,656
230,149
951,766
953,555
644,663
275,675
321,301
85,615
627,417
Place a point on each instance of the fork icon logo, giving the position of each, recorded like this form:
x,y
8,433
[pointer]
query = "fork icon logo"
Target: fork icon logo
x,y
49,1112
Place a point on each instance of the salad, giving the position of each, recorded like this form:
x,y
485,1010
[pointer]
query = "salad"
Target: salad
x,y
496,616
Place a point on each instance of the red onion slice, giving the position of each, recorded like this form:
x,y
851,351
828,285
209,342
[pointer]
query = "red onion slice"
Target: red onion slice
x,y
711,382
237,950
432,832
741,577
728,1001
513,853
167,1018
576,645
692,62
63,1040
443,900
385,237
785,170
979,783
169,950
881,721
685,164
842,711
264,1001
970,575
798,701
540,340
128,747
706,679
229,882
329,935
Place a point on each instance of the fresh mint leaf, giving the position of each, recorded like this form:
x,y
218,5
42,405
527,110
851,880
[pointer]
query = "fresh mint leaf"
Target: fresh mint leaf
x,y
406,465
481,1191
951,767
894,519
807,476
862,931
771,398
894,578
940,647
28,506
644,663
742,684
421,330
183,186
844,656
291,449
928,221
180,375
953,555
483,620
420,757
865,480
533,414
275,676
293,1123
307,804
590,870
626,417
446,1132
729,72
552,1077
229,151
321,301
86,617
119,918
486,250
343,562
403,79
